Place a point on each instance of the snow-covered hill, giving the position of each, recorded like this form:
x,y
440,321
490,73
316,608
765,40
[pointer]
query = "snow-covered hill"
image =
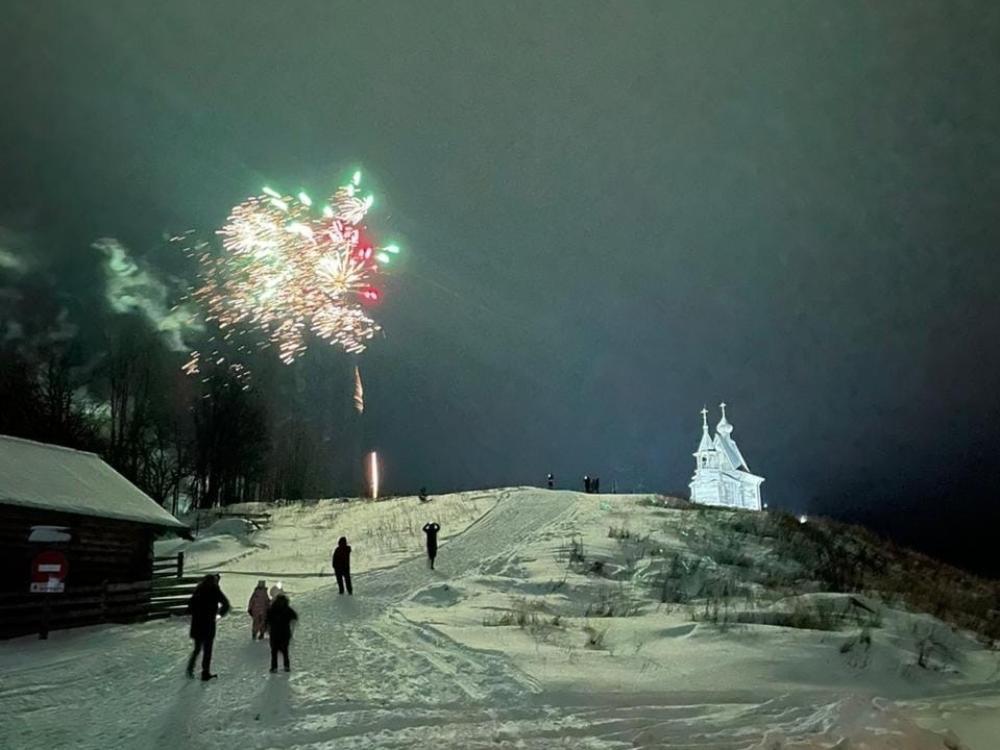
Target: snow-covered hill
x,y
553,620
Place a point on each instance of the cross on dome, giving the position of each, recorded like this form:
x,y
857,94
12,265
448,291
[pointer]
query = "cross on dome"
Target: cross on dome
x,y
706,439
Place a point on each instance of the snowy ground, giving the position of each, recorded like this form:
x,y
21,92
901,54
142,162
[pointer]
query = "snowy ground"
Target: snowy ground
x,y
505,645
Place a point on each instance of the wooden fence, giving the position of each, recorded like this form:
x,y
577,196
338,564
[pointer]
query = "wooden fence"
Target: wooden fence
x,y
170,566
171,589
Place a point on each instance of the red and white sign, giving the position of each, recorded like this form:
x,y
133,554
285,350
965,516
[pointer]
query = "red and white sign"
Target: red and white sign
x,y
48,572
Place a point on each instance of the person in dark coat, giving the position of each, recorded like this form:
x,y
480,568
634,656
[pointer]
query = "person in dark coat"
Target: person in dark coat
x,y
431,530
423,495
279,623
596,485
342,565
586,484
551,480
206,603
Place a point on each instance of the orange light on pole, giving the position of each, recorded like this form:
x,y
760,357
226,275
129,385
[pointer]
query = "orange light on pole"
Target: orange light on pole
x,y
373,473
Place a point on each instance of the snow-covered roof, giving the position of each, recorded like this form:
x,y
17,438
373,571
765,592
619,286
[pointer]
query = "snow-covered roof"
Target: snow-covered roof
x,y
39,475
741,475
727,446
706,442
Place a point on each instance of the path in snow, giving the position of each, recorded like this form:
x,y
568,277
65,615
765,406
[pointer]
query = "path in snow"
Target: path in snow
x,y
363,677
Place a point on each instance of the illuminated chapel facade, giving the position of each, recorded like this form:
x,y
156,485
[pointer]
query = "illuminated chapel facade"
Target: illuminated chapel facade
x,y
721,475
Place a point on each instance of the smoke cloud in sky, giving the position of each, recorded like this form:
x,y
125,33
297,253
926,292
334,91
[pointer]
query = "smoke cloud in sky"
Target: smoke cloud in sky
x,y
131,286
64,329
14,252
15,263
50,312
11,262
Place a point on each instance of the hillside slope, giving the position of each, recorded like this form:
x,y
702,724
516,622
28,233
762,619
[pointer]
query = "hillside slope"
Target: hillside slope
x,y
553,619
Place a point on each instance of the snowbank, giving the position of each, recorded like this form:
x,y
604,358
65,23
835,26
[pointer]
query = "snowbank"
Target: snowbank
x,y
235,527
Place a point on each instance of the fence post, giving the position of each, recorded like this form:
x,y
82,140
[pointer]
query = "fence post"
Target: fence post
x,y
180,564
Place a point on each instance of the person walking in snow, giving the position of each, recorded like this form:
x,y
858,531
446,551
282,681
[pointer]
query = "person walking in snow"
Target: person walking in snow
x,y
206,603
342,565
431,530
596,485
586,484
279,623
257,609
423,495
551,480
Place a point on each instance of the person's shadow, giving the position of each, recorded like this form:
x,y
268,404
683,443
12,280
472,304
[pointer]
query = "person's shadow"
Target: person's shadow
x,y
179,720
273,705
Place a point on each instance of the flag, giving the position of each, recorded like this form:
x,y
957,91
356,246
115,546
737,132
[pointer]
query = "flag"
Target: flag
x,y
359,391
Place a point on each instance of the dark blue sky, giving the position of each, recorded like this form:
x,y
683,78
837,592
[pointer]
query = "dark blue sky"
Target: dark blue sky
x,y
613,213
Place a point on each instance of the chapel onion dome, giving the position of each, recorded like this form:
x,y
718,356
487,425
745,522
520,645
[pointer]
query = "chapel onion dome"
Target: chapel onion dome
x,y
724,428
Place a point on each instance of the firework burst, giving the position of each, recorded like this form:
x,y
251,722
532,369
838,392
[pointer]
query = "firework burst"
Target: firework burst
x,y
289,269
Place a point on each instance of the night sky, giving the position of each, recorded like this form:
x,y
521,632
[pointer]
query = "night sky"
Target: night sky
x,y
612,214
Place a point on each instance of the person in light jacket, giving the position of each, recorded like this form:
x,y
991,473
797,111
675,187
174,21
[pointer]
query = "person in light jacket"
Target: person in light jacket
x,y
257,609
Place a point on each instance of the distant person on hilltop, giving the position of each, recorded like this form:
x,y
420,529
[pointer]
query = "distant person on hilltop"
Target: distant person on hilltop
x,y
423,495
551,481
342,565
279,622
596,485
206,603
257,609
586,484
431,530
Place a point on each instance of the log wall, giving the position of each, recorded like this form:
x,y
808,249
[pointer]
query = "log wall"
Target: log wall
x,y
110,566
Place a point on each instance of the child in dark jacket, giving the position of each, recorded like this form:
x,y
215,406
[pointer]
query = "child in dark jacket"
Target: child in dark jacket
x,y
280,617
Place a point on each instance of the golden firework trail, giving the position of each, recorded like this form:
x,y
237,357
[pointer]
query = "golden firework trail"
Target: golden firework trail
x,y
289,269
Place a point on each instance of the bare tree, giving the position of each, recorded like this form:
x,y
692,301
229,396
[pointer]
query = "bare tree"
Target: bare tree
x,y
42,400
231,443
129,370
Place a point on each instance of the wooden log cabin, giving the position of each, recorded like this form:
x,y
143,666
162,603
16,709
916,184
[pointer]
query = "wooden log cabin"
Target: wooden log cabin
x,y
76,540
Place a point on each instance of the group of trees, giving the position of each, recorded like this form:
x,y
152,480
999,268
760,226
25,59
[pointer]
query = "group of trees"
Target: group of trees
x,y
200,442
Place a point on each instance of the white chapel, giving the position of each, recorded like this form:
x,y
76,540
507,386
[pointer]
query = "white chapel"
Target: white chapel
x,y
721,475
